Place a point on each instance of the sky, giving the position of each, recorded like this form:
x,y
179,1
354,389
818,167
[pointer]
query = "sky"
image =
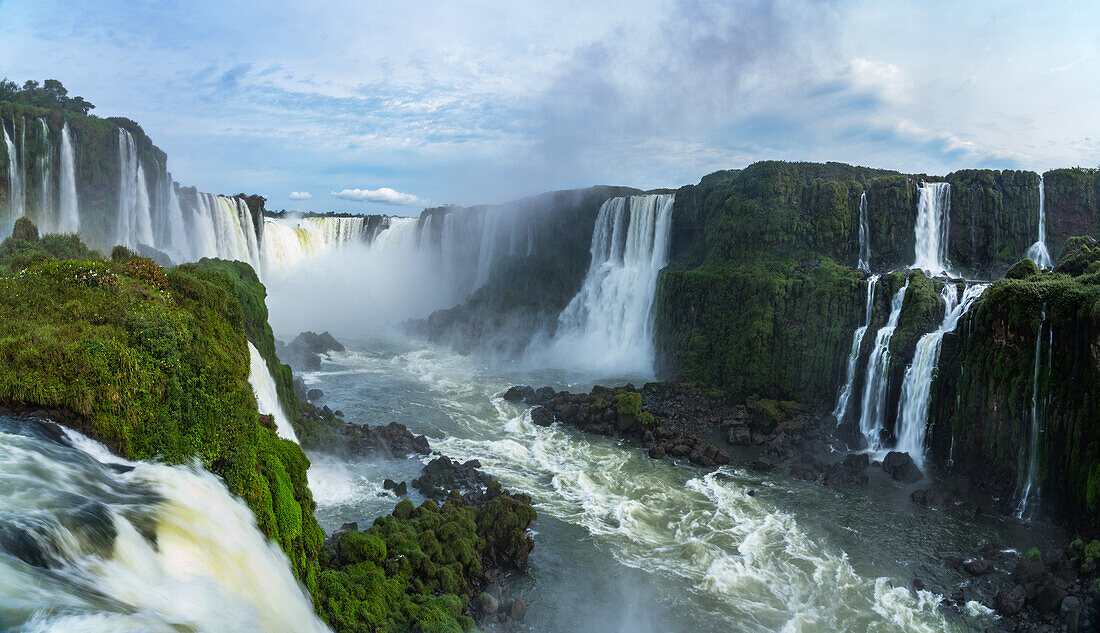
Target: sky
x,y
389,106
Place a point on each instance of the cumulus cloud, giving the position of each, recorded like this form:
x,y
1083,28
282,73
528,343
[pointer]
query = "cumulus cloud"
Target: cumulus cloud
x,y
383,195
301,195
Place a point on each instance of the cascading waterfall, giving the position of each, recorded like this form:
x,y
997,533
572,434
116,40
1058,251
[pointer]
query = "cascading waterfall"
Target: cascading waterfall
x,y
135,224
1029,488
16,195
864,234
267,397
841,408
491,220
1038,251
96,543
609,323
289,242
872,418
45,177
933,221
916,389
68,202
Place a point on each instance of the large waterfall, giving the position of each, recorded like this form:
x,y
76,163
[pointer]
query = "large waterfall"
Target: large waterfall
x,y
267,396
135,222
90,542
1038,251
16,197
1029,486
841,408
872,419
933,220
609,324
68,202
864,234
289,242
916,390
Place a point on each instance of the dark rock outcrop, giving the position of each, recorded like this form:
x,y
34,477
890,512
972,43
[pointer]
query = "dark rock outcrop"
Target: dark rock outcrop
x,y
900,467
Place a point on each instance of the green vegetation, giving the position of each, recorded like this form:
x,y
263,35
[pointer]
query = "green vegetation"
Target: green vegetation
x,y
983,392
51,94
418,568
629,403
155,364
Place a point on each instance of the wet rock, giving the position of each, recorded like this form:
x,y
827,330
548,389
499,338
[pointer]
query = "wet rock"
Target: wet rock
x,y
267,420
304,352
761,464
1071,613
1011,601
442,475
542,416
541,395
848,472
952,562
930,499
803,472
657,452
1027,571
400,489
517,393
739,436
314,394
900,467
1048,598
518,610
393,439
978,566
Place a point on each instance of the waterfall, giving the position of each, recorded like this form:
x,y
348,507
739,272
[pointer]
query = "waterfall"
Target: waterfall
x,y
864,234
916,389
487,251
841,408
16,199
177,229
1029,495
1038,251
609,324
135,224
289,242
46,215
68,203
102,544
872,418
267,397
933,221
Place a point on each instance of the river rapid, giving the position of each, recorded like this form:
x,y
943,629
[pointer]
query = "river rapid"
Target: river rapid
x,y
627,543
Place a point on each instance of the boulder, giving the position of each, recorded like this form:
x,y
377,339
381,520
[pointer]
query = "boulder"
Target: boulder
x,y
314,394
515,394
1011,601
542,416
1048,598
900,467
739,436
978,566
930,499
1071,613
848,471
400,489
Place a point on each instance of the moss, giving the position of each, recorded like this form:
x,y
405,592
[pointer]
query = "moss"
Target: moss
x,y
1022,269
1034,554
156,365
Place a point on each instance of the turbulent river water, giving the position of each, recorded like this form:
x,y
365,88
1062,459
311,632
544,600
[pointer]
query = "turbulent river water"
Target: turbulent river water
x,y
626,543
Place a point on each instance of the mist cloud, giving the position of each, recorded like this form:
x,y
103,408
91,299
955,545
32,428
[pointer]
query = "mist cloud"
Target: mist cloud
x,y
382,195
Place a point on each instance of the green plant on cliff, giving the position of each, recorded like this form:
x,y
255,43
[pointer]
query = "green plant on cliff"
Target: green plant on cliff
x,y
418,568
155,365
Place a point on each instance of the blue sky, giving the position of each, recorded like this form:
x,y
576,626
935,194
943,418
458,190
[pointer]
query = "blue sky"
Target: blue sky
x,y
388,106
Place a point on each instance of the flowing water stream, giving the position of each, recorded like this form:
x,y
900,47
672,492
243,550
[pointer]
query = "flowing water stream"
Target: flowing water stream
x,y
626,543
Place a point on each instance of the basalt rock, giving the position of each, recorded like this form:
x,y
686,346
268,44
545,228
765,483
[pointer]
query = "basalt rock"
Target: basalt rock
x,y
900,467
542,416
848,472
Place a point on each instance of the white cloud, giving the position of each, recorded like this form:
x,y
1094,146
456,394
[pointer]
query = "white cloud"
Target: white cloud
x,y
301,195
383,195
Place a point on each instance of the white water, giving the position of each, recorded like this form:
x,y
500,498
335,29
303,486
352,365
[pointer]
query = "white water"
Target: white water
x,y
135,224
864,234
916,389
291,242
872,418
1038,251
68,201
267,396
45,177
209,570
841,408
933,221
608,325
1029,497
16,199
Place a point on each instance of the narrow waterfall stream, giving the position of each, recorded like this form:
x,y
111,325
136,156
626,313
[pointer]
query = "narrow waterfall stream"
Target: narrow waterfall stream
x,y
1029,487
872,418
68,200
267,398
841,408
916,390
864,234
90,542
16,196
1038,251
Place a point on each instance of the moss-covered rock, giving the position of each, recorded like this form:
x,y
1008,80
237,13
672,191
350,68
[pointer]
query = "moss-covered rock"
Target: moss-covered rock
x,y
155,365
